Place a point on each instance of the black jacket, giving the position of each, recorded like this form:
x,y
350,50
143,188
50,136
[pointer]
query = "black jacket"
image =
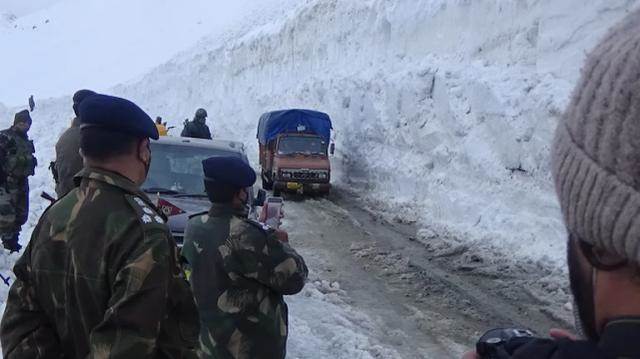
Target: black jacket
x,y
620,339
196,129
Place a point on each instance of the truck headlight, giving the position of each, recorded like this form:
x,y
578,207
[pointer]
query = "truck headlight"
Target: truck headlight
x,y
323,175
285,174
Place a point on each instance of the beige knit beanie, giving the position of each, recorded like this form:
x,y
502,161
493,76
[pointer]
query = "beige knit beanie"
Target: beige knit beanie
x,y
596,151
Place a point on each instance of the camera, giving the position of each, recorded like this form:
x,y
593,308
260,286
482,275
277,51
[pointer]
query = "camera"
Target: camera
x,y
502,342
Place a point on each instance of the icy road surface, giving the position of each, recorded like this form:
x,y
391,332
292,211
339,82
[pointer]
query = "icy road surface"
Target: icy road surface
x,y
376,292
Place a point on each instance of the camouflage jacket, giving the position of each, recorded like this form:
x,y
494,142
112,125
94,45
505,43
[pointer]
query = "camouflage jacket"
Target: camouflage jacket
x,y
100,279
239,274
17,160
68,160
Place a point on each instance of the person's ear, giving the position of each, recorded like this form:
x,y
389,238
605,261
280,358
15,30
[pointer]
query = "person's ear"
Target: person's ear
x,y
144,152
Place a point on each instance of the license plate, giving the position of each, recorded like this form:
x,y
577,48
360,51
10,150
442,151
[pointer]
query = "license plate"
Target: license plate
x,y
293,185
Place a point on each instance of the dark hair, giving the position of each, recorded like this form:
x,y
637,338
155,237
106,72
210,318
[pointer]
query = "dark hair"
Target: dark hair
x,y
101,144
220,192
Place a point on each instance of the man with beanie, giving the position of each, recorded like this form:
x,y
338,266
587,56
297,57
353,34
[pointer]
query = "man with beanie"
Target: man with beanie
x,y
240,270
596,168
100,277
68,160
17,163
198,127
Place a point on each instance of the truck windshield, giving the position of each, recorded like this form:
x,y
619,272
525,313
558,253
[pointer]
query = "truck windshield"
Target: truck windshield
x,y
177,170
303,145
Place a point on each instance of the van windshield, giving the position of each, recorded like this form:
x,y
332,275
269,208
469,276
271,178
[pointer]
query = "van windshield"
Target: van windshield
x,y
178,169
302,145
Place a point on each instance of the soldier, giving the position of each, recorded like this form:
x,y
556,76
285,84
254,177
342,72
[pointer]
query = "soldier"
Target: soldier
x,y
198,127
596,169
240,270
17,163
68,160
162,128
32,103
100,278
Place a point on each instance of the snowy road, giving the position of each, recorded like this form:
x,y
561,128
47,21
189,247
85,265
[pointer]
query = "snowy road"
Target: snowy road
x,y
375,292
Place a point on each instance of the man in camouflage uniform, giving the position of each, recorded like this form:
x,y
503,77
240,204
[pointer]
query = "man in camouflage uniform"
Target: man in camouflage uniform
x,y
198,127
68,160
17,163
240,270
100,277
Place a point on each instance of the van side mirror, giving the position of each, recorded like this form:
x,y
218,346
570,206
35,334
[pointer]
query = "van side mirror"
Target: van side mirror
x,y
332,149
260,198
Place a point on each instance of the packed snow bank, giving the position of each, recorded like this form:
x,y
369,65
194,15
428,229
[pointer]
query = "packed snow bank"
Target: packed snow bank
x,y
55,47
444,110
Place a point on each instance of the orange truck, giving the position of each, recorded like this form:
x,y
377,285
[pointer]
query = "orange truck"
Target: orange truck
x,y
294,151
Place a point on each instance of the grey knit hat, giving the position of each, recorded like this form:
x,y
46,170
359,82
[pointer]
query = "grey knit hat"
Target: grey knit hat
x,y
596,151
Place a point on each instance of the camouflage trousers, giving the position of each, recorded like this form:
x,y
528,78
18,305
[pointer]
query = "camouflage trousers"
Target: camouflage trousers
x,y
14,207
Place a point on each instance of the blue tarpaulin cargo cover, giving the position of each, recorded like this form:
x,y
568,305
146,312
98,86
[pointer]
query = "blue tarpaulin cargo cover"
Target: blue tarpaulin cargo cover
x,y
293,121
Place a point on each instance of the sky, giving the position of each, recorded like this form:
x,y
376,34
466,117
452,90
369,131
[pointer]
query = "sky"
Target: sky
x,y
59,46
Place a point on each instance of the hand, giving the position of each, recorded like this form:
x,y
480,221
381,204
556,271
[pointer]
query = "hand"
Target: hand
x,y
282,236
263,214
470,355
562,334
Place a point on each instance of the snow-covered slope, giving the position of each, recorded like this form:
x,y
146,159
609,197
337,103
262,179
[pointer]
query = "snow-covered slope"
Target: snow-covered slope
x,y
444,110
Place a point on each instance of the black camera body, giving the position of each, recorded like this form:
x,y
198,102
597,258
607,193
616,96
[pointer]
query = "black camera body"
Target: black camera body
x,y
502,342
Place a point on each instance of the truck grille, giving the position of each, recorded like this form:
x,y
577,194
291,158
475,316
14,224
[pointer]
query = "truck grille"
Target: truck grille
x,y
305,175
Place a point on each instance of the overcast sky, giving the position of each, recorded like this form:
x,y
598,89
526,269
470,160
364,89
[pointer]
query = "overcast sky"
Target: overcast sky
x,y
58,46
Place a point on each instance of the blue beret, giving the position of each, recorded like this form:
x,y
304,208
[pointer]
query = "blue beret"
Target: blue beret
x,y
116,114
229,170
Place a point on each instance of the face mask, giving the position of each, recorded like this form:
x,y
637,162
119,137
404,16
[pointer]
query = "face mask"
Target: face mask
x,y
244,206
147,164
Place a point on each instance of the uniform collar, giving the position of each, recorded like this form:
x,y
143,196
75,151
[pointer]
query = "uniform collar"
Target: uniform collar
x,y
75,122
225,209
110,178
18,133
621,337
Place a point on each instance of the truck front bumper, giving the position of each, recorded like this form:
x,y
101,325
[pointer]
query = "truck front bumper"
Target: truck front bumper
x,y
301,187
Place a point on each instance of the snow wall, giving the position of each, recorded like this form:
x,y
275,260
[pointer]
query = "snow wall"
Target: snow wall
x,y
444,110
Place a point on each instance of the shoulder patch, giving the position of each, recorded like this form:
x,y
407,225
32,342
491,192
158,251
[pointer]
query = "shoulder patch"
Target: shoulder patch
x,y
147,215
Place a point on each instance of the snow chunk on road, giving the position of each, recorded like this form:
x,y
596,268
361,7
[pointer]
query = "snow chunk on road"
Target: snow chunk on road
x,y
324,325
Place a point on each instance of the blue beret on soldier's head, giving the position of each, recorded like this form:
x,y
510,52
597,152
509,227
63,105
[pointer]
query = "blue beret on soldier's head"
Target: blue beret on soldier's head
x,y
22,117
116,114
232,171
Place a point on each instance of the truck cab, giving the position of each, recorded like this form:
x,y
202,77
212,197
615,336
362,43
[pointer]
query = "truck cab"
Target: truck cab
x,y
294,151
